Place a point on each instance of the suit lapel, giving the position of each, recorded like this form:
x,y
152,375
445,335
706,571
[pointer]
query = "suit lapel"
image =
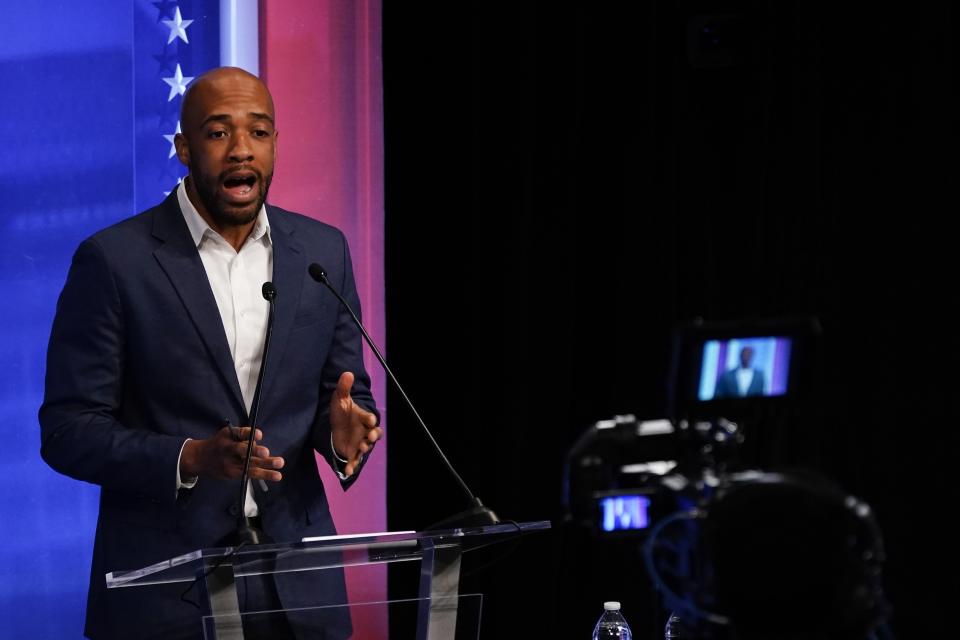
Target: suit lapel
x,y
179,259
289,269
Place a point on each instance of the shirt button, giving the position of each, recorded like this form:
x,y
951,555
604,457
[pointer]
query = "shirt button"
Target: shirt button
x,y
234,509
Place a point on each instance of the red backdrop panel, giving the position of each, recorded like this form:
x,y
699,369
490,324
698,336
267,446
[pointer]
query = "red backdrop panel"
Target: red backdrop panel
x,y
321,61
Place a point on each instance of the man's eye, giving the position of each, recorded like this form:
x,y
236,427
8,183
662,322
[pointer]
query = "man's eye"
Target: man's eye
x,y
217,134
261,133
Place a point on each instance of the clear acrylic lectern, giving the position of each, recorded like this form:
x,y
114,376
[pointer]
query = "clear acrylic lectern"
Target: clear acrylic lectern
x,y
439,552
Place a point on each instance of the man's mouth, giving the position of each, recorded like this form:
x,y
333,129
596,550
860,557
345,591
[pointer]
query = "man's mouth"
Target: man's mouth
x,y
239,187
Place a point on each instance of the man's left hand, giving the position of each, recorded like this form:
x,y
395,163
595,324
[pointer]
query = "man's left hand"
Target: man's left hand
x,y
354,429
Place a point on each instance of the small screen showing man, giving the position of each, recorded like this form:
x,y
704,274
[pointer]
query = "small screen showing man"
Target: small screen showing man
x,y
744,368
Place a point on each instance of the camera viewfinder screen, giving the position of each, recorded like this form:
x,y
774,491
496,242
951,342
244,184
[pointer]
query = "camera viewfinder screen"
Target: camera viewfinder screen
x,y
621,513
744,367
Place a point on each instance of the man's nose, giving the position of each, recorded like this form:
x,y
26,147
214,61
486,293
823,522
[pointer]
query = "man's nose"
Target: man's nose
x,y
241,151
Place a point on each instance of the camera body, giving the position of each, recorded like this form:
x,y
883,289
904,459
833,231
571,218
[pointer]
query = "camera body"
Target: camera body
x,y
624,474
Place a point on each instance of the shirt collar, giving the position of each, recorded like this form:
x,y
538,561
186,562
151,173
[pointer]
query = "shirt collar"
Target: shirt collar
x,y
199,229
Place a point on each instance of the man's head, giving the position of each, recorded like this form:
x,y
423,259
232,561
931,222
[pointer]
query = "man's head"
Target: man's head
x,y
746,357
229,145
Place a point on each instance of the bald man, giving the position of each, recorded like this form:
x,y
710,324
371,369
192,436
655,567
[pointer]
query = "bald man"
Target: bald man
x,y
153,363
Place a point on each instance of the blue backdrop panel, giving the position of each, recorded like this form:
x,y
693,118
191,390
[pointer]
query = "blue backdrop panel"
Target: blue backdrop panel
x,y
84,112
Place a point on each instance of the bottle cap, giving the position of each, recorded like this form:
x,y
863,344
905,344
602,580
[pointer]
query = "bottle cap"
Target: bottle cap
x,y
611,606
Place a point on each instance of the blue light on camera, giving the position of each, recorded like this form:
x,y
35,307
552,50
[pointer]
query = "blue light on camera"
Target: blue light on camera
x,y
622,513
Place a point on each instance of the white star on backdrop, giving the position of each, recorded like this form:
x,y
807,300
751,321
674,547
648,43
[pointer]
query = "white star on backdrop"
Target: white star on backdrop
x,y
170,137
178,27
178,83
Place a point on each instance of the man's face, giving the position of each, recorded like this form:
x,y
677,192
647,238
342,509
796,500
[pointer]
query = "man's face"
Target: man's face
x,y
229,144
746,355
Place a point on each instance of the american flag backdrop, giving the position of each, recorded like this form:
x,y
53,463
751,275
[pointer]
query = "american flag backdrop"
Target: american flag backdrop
x,y
173,42
92,93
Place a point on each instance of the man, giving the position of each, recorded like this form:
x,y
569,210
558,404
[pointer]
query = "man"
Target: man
x,y
742,381
154,356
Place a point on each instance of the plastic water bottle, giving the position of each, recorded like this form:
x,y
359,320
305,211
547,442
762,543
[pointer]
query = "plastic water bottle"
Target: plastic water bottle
x,y
674,629
612,625
677,629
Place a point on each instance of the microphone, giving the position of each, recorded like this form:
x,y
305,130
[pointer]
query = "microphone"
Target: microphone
x,y
477,515
246,532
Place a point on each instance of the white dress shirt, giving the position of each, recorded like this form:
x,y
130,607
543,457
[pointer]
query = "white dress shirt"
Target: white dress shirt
x,y
236,278
744,378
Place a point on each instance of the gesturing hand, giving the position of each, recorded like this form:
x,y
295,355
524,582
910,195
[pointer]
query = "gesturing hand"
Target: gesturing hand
x,y
223,455
354,429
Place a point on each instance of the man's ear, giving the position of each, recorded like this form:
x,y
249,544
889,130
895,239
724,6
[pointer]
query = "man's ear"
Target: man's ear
x,y
183,149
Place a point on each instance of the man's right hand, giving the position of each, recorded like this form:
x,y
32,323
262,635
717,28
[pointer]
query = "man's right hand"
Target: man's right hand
x,y
222,456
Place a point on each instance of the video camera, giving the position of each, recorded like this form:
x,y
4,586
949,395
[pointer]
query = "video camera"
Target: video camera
x,y
725,380
683,488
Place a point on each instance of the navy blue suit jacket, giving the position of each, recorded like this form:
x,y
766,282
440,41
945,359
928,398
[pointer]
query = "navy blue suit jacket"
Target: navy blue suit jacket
x,y
728,387
138,362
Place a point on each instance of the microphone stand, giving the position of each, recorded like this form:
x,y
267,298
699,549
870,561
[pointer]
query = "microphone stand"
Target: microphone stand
x,y
477,515
246,532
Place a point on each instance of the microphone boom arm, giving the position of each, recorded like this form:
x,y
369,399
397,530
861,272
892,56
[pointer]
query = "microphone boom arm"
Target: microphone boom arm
x,y
478,515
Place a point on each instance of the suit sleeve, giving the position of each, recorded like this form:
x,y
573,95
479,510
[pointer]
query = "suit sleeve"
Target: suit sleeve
x,y
346,354
81,434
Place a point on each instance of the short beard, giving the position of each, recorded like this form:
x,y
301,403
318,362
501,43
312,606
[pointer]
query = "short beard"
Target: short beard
x,y
223,214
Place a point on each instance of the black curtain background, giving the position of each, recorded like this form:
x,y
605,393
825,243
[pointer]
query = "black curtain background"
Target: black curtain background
x,y
565,185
